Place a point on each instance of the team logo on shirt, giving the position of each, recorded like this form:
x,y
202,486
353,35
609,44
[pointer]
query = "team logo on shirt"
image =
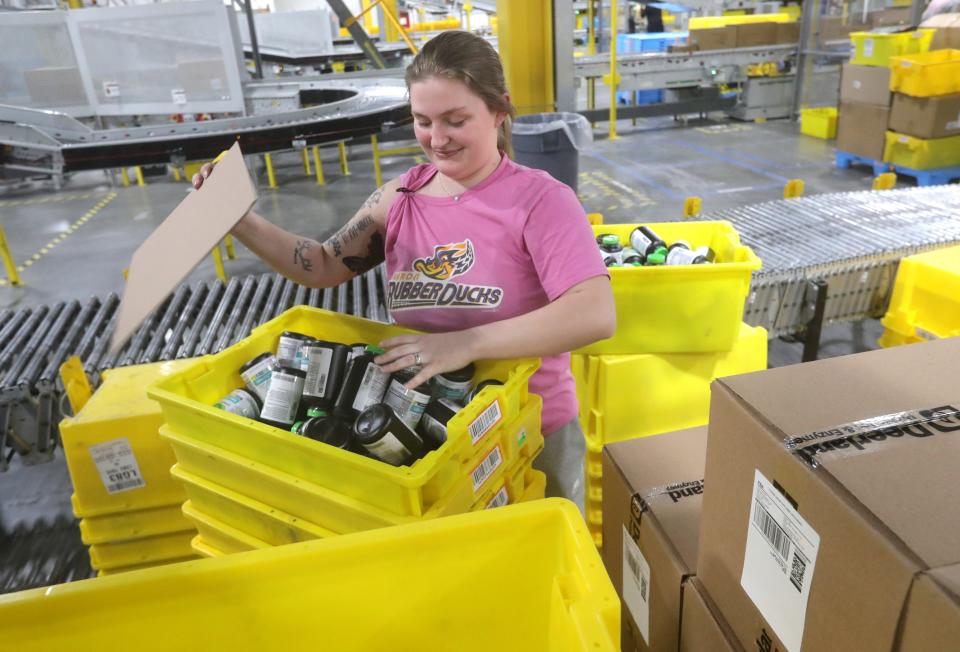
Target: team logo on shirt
x,y
447,261
429,284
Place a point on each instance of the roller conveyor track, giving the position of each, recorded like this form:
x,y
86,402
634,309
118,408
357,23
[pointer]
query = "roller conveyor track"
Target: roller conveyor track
x,y
196,320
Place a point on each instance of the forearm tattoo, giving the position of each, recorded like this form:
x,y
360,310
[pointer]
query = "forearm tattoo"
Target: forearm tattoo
x,y
300,255
348,233
373,198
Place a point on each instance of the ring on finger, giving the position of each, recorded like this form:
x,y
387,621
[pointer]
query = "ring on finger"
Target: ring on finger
x,y
417,360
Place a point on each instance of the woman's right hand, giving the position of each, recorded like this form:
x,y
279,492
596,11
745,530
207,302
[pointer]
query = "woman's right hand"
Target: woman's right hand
x,y
200,176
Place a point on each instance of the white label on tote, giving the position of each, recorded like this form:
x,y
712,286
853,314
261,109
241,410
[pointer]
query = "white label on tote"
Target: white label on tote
x,y
117,466
636,585
389,449
486,468
485,422
868,47
499,499
178,95
778,562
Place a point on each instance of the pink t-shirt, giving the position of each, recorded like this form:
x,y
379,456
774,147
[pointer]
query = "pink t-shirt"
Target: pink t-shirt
x,y
509,245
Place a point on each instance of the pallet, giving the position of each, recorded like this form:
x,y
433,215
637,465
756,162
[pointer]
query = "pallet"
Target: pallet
x,y
934,177
846,160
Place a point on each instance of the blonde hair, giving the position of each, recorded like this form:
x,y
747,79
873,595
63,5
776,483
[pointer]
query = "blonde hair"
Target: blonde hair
x,y
468,58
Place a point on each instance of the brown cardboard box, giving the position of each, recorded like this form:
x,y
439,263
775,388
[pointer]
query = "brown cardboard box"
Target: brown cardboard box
x,y
833,28
947,36
702,626
682,49
788,32
926,117
832,490
862,129
751,35
891,17
714,38
932,621
865,84
652,492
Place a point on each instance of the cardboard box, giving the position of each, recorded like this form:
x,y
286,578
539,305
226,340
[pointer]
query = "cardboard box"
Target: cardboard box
x,y
652,493
891,17
832,492
682,49
926,117
788,32
702,626
751,35
833,28
947,36
862,130
865,84
714,38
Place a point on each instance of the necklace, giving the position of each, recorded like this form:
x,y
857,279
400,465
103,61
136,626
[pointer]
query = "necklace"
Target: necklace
x,y
444,187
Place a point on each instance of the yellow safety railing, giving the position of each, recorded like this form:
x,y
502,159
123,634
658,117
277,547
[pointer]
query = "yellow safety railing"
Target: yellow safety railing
x,y
8,263
379,152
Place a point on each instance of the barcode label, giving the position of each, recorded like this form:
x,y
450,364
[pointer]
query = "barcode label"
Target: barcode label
x,y
282,400
636,585
779,562
117,466
797,571
771,531
499,499
318,366
490,463
485,422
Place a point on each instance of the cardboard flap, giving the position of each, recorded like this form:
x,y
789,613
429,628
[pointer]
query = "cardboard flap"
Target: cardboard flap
x,y
184,238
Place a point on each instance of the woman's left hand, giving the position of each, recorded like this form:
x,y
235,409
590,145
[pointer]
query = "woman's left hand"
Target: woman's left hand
x,y
438,353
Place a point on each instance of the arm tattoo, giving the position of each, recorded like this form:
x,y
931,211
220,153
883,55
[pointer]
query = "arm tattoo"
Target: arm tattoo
x,y
375,256
348,233
373,198
300,255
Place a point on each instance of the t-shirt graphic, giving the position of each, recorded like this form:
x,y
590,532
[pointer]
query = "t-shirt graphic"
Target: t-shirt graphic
x,y
430,283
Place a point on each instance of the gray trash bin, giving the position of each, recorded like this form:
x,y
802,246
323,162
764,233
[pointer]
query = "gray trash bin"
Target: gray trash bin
x,y
552,142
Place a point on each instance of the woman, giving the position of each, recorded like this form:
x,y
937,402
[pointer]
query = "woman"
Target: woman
x,y
490,258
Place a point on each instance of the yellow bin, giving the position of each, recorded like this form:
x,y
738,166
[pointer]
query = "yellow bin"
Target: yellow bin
x,y
927,74
925,304
680,308
116,459
525,577
877,48
127,526
819,122
920,153
187,400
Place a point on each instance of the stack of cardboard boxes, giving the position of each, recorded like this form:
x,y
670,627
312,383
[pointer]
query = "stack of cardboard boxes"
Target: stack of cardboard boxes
x,y
817,514
748,35
864,110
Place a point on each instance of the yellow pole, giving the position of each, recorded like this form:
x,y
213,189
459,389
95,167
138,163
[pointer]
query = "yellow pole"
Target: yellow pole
x,y
885,181
692,206
393,20
592,96
391,33
11,267
375,148
793,189
591,36
367,16
271,177
228,245
306,162
176,173
218,263
613,70
467,8
344,168
319,168
139,172
124,177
